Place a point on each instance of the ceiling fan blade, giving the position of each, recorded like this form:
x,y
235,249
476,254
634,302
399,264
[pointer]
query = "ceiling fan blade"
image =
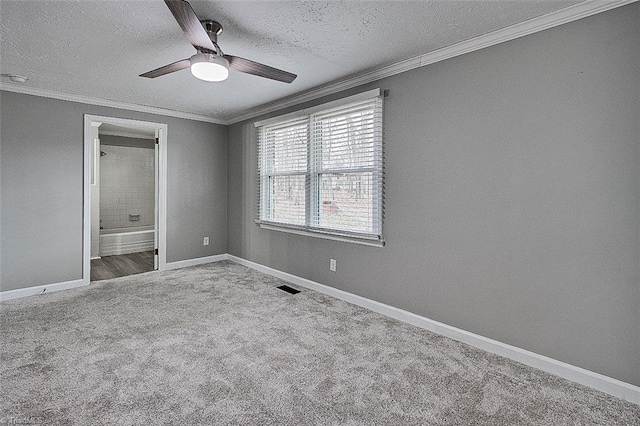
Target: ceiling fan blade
x,y
190,24
261,70
176,66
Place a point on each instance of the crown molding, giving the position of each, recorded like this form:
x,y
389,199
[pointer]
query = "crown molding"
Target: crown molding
x,y
541,23
18,88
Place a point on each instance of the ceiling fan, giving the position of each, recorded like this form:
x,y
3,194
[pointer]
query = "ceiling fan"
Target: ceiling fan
x,y
210,64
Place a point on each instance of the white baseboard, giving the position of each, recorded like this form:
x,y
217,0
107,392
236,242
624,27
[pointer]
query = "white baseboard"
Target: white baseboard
x,y
611,386
197,261
617,388
47,288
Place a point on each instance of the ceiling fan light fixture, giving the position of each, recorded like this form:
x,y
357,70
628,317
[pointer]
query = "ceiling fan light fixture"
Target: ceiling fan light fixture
x,y
209,67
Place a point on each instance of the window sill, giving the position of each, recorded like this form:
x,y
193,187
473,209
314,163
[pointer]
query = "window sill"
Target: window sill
x,y
372,242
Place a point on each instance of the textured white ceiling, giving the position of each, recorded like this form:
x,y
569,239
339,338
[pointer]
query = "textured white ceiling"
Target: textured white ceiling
x,y
98,48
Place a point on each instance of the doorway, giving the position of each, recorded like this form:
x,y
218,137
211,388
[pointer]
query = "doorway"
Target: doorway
x,y
124,197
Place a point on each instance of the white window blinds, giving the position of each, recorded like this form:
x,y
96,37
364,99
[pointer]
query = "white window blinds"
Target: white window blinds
x,y
283,167
323,171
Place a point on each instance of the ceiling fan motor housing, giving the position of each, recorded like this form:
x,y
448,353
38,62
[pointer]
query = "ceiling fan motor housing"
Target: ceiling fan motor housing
x,y
213,29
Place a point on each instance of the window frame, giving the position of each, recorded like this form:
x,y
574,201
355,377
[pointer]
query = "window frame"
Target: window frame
x,y
314,173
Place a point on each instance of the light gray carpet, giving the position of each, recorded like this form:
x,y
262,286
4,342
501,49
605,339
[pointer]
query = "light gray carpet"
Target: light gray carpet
x,y
219,344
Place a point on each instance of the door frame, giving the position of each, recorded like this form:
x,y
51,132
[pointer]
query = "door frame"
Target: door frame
x,y
161,191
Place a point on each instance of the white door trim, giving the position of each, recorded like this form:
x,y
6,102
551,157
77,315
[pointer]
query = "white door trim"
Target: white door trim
x,y
161,195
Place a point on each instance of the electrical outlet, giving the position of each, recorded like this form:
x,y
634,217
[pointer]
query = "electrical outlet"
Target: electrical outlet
x,y
332,265
206,241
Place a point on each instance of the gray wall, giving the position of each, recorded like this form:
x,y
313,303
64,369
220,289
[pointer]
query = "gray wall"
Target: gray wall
x,y
41,163
513,196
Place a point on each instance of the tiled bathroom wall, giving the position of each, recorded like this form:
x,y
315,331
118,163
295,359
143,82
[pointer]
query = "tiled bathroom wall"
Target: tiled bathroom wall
x,y
127,187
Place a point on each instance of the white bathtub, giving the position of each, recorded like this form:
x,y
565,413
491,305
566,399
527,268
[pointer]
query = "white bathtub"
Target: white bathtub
x,y
126,240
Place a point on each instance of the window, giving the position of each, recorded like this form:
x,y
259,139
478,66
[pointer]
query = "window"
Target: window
x,y
321,170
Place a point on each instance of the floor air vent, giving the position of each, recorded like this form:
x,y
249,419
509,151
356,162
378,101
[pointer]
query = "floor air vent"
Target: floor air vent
x,y
289,289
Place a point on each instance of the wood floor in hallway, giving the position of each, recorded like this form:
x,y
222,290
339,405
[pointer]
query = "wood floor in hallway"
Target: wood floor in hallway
x,y
122,265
